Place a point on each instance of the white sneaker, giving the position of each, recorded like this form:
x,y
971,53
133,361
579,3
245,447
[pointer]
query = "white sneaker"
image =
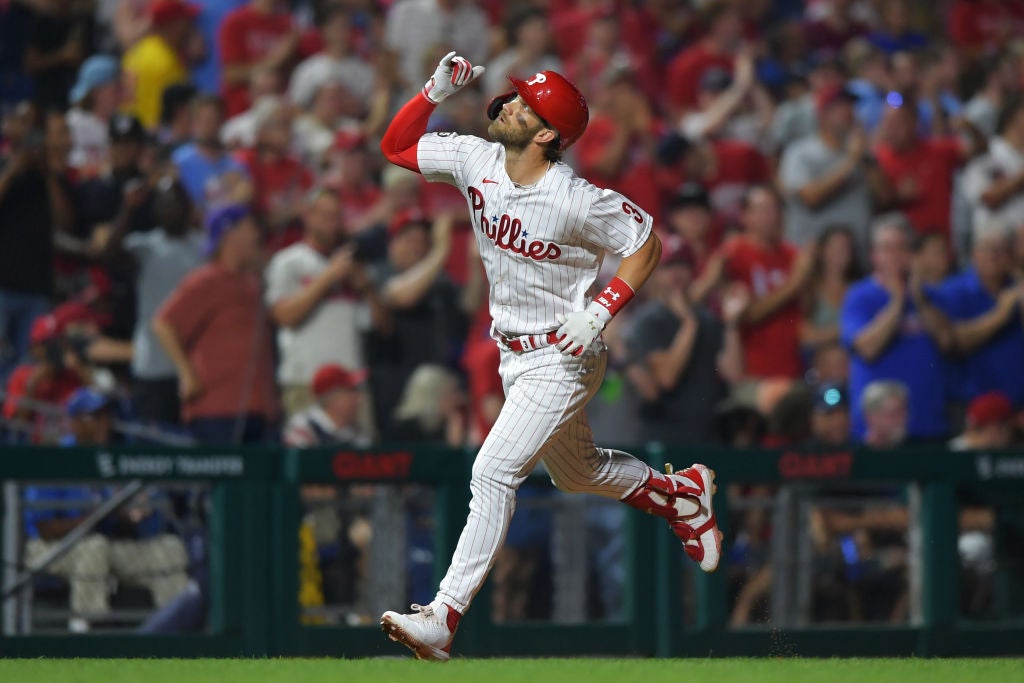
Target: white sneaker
x,y
425,632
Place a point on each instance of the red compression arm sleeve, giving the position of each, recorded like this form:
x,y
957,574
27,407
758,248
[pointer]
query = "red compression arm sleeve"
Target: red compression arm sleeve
x,y
403,134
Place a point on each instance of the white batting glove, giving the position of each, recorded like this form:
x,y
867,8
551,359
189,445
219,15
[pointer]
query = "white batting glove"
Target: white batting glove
x,y
578,331
452,75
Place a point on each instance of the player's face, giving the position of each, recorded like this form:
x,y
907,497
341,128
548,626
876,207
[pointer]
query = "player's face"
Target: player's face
x,y
516,125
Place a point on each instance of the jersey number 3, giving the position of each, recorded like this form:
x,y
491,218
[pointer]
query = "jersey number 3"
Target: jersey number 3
x,y
632,211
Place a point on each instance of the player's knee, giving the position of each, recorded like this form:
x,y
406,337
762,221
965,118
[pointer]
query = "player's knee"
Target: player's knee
x,y
567,484
487,472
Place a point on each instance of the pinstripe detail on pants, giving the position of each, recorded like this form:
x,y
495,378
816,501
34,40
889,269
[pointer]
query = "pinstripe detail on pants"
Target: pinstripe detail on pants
x,y
543,419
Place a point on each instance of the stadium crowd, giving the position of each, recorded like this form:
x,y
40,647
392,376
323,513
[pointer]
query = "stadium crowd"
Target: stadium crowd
x,y
196,220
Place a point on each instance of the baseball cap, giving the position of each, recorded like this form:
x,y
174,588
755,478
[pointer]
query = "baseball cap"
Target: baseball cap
x,y
85,401
347,140
403,219
833,94
165,11
44,328
333,376
691,194
96,71
829,397
988,409
72,312
126,127
219,221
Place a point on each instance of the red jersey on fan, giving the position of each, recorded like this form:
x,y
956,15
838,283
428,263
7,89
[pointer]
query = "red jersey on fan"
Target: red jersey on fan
x,y
771,348
930,164
685,70
984,24
246,37
733,168
635,179
54,389
279,183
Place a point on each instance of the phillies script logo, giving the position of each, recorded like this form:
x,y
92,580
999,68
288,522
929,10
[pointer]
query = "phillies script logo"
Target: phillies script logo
x,y
507,232
351,465
795,465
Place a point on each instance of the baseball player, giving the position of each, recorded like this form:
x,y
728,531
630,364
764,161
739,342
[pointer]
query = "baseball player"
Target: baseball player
x,y
542,233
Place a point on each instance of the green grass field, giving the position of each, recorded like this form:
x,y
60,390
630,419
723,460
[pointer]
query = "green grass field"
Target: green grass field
x,y
518,670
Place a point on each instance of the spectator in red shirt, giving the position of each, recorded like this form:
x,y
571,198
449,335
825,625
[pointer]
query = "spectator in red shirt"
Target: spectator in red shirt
x,y
730,107
618,150
215,331
47,377
480,357
919,171
692,224
349,172
774,273
602,52
980,26
726,168
718,48
256,36
279,180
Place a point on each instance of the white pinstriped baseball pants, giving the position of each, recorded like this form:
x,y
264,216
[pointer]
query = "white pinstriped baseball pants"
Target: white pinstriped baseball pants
x,y
543,419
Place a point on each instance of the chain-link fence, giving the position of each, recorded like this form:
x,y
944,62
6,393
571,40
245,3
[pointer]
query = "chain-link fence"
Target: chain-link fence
x,y
365,549
95,557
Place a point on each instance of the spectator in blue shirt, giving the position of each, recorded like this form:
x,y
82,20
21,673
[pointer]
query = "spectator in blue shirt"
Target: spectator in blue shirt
x,y
211,176
132,544
895,333
206,75
986,306
896,33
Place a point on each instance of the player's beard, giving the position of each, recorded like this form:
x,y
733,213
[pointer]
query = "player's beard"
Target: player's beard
x,y
512,137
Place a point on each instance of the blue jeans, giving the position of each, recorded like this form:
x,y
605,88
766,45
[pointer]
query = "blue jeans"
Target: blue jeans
x,y
17,312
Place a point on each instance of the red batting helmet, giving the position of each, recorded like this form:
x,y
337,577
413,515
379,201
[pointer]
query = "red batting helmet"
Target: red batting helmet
x,y
553,98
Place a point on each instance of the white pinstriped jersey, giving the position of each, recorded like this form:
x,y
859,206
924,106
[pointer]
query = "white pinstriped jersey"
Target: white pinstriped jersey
x,y
542,244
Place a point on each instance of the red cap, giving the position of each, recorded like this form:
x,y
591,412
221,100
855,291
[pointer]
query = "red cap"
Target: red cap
x,y
988,409
349,140
553,98
72,312
44,328
333,376
411,216
165,11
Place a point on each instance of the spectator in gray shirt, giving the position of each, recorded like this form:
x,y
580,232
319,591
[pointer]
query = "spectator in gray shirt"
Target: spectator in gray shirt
x,y
161,257
673,349
827,177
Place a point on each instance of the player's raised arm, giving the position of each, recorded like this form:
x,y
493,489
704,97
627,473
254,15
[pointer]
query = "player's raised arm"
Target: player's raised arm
x,y
410,123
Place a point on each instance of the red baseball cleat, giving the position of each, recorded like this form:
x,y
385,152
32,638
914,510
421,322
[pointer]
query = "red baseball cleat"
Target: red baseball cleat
x,y
685,500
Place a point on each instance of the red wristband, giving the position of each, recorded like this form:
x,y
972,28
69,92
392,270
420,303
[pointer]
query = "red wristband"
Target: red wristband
x,y
613,297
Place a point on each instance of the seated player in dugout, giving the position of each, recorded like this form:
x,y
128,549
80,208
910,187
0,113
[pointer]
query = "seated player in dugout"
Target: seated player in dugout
x,y
542,233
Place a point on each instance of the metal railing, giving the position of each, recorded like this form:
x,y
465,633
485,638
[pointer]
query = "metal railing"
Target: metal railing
x,y
257,510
